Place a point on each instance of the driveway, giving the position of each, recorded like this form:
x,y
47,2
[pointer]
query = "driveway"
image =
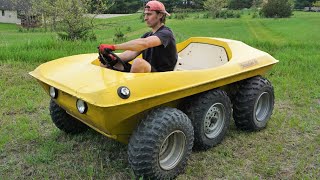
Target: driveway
x,y
105,16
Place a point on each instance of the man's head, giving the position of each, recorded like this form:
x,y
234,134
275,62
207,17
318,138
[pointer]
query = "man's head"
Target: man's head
x,y
155,13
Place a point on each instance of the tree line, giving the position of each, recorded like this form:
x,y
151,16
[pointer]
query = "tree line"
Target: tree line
x,y
132,6
69,19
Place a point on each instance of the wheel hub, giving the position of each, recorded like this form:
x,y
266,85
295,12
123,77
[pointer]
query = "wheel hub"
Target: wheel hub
x,y
214,120
263,106
172,150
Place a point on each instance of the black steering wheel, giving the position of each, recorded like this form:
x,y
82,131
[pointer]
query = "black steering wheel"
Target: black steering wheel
x,y
106,59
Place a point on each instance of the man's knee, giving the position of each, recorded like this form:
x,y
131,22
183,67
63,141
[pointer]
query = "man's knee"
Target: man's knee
x,y
139,62
140,65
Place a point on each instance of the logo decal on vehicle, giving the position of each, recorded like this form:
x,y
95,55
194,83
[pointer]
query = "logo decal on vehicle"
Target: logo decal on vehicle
x,y
248,63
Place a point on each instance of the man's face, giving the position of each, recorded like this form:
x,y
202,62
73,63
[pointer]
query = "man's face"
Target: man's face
x,y
152,18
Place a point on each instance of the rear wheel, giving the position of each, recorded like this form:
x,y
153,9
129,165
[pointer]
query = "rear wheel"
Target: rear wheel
x,y
253,104
210,113
64,121
161,145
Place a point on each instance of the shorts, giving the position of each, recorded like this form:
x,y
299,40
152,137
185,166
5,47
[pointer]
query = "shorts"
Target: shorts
x,y
152,68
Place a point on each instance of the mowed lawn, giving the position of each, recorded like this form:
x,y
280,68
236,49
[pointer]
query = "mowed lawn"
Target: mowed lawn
x,y
31,147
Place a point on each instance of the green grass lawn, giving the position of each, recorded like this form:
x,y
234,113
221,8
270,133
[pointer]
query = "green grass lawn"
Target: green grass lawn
x,y
289,148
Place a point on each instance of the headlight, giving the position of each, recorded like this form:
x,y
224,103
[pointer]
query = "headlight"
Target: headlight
x,y
53,92
82,106
124,92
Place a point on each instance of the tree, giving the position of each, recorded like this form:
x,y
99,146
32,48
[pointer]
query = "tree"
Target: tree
x,y
75,23
215,6
124,7
240,4
171,4
316,4
300,4
70,15
277,8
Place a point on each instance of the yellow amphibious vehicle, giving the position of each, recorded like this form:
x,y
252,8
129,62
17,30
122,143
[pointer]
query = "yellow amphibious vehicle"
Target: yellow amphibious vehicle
x,y
163,115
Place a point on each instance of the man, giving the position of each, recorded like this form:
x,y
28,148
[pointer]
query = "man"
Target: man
x,y
158,47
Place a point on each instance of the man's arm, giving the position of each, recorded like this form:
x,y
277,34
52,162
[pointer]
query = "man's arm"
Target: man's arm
x,y
128,55
140,44
134,47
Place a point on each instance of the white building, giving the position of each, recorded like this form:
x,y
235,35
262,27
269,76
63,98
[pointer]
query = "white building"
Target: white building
x,y
8,14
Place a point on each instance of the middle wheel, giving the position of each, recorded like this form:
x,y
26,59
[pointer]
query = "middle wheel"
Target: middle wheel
x,y
210,113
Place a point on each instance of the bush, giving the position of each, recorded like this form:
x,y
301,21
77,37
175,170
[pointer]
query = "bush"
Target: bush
x,y
206,16
277,9
119,36
255,15
129,29
79,36
181,15
228,14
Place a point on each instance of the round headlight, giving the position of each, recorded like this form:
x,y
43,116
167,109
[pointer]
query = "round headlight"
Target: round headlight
x,y
124,92
82,106
53,92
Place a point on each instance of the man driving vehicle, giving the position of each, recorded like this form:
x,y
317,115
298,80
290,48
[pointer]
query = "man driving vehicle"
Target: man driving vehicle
x,y
158,47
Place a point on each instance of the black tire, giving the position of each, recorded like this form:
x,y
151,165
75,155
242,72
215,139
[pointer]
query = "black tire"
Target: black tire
x,y
64,121
210,113
164,130
253,104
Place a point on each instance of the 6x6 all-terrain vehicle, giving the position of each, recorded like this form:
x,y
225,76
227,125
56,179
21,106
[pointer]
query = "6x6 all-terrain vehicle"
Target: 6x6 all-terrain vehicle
x,y
163,115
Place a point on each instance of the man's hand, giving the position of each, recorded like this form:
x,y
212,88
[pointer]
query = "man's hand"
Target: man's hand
x,y
104,46
112,57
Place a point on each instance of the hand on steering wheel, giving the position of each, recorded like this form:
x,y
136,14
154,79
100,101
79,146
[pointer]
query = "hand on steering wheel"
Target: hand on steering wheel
x,y
107,57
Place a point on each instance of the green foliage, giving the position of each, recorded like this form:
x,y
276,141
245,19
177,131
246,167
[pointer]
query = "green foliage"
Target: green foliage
x,y
74,24
240,4
129,29
192,4
215,6
255,15
316,4
300,4
206,15
171,4
67,17
119,36
124,7
181,15
228,14
277,9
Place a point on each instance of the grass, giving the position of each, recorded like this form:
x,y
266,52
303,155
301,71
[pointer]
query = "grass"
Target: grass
x,y
289,148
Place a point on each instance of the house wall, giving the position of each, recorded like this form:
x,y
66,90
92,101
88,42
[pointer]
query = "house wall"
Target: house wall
x,y
9,17
317,9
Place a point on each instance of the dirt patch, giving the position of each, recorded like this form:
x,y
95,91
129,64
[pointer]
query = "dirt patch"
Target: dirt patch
x,y
285,106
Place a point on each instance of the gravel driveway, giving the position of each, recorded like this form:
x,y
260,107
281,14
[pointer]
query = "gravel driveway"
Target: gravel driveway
x,y
105,16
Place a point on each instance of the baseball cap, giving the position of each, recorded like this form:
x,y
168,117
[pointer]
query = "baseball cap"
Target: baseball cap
x,y
156,6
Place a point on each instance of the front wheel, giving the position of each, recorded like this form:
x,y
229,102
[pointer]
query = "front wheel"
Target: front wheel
x,y
253,104
64,121
161,145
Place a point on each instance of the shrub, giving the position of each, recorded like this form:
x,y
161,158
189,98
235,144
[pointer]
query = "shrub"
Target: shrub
x,y
255,15
206,15
129,29
277,8
119,36
215,6
197,16
181,15
228,14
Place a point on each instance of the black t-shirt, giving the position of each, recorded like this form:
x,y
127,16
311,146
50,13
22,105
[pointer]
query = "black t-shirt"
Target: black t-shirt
x,y
164,57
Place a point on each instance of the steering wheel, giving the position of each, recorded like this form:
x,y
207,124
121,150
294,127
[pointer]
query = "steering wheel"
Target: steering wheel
x,y
106,59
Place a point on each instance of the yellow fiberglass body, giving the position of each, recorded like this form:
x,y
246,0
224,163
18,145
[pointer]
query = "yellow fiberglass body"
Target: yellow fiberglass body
x,y
203,64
